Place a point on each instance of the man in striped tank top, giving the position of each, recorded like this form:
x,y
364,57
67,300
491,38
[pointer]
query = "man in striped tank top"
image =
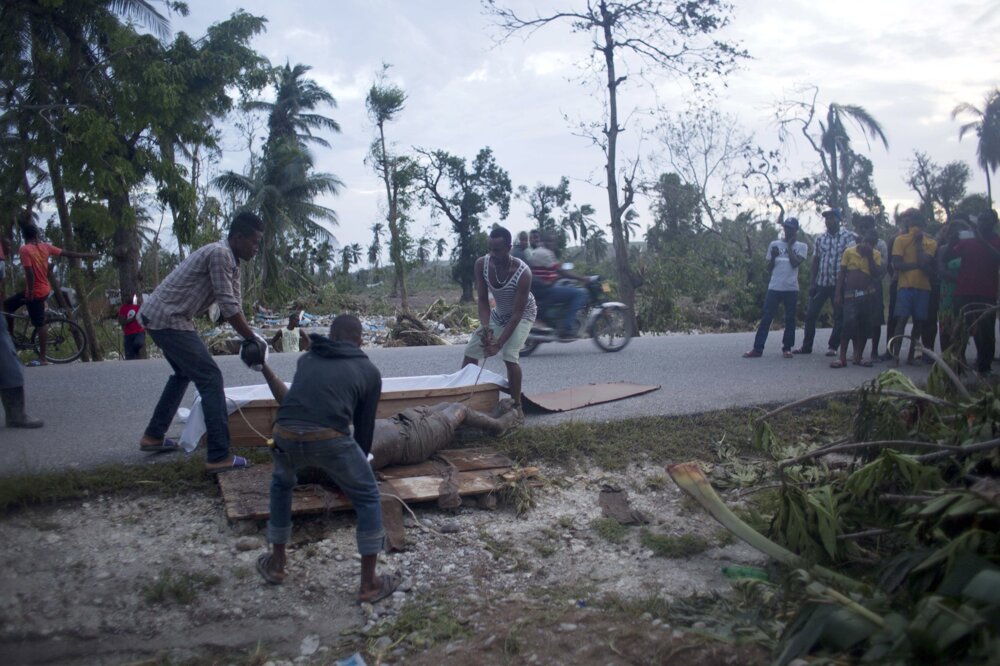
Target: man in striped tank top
x,y
503,329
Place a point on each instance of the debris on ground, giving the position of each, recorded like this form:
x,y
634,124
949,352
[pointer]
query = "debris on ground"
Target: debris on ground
x,y
614,504
439,324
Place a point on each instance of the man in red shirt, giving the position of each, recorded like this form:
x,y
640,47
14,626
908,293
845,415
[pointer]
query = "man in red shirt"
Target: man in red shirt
x,y
976,287
35,255
135,335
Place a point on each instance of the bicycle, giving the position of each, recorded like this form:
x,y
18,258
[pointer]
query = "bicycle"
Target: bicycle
x,y
67,339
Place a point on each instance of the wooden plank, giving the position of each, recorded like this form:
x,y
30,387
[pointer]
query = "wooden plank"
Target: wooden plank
x,y
465,460
483,399
246,493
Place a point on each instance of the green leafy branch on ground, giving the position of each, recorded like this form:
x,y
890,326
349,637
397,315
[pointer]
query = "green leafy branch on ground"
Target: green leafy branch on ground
x,y
893,535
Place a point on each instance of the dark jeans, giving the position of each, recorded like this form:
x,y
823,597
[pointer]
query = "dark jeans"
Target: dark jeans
x,y
788,300
928,335
345,464
11,373
35,306
575,297
191,362
816,303
985,333
134,344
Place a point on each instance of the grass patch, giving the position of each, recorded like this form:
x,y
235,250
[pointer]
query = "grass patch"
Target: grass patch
x,y
656,482
545,549
566,522
653,604
181,587
665,545
22,490
425,623
661,440
609,529
496,547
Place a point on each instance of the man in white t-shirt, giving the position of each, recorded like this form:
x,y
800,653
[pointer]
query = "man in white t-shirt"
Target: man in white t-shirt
x,y
783,260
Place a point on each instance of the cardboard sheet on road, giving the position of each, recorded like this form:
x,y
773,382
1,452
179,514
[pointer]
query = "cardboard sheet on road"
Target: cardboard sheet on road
x,y
576,397
245,493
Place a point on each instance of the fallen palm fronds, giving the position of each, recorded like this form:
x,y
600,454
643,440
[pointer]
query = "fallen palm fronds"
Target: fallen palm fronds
x,y
897,553
408,331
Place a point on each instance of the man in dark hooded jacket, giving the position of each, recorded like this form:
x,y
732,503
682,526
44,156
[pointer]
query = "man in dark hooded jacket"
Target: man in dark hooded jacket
x,y
335,387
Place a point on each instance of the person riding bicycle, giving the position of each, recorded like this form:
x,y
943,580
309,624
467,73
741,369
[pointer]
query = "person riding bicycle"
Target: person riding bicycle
x,y
546,271
35,261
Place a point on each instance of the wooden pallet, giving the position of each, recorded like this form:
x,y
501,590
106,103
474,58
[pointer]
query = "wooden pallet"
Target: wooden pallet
x,y
246,493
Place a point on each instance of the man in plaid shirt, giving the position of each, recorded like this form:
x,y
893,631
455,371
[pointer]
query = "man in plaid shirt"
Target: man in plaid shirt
x,y
211,274
823,280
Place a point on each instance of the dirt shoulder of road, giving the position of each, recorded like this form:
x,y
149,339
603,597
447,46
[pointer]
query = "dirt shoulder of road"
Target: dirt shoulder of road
x,y
123,578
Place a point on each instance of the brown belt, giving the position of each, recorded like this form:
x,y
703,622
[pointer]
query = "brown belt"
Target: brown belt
x,y
310,436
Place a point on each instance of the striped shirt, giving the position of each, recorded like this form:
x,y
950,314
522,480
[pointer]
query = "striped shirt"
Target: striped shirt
x,y
829,251
504,295
209,274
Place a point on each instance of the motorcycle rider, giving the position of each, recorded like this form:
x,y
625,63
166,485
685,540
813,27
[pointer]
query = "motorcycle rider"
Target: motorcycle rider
x,y
546,270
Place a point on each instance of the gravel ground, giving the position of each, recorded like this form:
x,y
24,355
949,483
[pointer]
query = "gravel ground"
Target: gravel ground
x,y
117,579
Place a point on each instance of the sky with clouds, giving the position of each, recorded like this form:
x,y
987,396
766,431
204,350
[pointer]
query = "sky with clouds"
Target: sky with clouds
x,y
908,63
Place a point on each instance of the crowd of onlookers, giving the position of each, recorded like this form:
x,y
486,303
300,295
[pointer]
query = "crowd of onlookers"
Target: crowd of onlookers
x,y
944,285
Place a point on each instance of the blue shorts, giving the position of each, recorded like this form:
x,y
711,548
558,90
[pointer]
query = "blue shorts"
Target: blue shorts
x,y
912,302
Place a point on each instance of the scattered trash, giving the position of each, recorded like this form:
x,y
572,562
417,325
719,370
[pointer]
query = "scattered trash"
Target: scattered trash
x,y
440,324
354,660
614,504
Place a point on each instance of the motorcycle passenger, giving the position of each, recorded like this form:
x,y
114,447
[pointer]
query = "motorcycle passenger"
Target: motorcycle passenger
x,y
546,271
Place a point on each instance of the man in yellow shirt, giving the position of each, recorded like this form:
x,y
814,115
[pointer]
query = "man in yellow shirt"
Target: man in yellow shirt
x,y
860,270
913,260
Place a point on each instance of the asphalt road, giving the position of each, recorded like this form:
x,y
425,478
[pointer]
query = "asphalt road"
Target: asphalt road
x,y
95,412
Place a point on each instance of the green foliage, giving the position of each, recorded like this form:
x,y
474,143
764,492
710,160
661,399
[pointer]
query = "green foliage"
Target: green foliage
x,y
463,193
666,545
181,588
609,529
933,521
705,279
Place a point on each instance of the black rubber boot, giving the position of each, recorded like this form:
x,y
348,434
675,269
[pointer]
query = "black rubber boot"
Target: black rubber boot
x,y
13,405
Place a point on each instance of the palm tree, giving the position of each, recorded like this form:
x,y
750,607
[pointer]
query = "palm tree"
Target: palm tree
x,y
282,188
986,124
375,249
283,193
349,256
596,245
577,221
835,146
295,95
629,225
424,248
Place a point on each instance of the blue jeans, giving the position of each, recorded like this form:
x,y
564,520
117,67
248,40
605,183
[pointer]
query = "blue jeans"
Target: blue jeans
x,y
191,362
345,464
574,297
787,299
816,304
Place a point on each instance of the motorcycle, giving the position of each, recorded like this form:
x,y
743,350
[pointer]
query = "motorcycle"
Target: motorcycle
x,y
606,322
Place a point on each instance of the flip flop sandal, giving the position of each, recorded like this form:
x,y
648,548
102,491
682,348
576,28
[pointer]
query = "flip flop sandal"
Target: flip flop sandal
x,y
863,364
165,446
838,364
239,462
788,354
264,569
387,585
